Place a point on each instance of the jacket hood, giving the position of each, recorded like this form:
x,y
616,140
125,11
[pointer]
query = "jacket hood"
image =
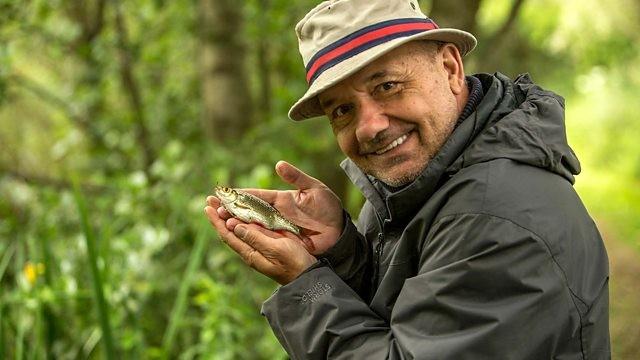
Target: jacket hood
x,y
526,124
515,120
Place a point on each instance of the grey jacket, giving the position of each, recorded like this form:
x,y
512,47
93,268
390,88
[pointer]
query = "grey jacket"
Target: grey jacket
x,y
489,254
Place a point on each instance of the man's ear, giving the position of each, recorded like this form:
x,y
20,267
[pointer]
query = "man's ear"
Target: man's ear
x,y
452,62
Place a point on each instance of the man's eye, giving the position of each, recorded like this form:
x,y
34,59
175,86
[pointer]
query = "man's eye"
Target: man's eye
x,y
341,111
388,86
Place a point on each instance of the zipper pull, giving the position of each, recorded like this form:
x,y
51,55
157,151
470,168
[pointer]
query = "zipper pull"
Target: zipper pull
x,y
379,246
376,261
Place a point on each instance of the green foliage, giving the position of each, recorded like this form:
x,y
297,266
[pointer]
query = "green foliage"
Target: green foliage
x,y
4,65
171,289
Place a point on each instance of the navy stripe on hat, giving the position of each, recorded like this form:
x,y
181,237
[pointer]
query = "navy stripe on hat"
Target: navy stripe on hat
x,y
362,40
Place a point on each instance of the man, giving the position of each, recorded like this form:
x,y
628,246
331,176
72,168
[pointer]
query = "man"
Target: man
x,y
472,243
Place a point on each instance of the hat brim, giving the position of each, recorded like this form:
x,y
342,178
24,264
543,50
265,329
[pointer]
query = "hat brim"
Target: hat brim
x,y
309,107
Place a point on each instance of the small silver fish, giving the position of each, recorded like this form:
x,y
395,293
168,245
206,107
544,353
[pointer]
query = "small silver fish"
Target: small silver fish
x,y
250,208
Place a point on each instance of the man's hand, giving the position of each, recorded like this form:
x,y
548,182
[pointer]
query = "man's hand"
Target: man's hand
x,y
282,258
313,206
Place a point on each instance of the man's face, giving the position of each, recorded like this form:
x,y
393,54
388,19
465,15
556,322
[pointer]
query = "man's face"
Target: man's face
x,y
392,117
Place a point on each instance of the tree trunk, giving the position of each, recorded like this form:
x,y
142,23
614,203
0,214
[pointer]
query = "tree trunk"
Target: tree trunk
x,y
263,62
132,89
225,95
459,14
494,48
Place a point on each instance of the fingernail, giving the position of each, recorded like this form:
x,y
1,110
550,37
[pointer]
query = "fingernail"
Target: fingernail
x,y
240,231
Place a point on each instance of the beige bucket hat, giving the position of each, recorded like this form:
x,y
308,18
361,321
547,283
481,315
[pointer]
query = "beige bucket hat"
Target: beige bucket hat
x,y
339,37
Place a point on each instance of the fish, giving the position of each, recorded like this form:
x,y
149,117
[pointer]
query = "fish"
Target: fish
x,y
250,208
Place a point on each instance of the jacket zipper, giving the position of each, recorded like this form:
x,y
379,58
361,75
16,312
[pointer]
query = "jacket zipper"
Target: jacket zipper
x,y
376,261
378,255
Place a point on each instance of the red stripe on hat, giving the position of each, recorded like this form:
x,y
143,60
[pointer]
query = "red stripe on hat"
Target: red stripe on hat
x,y
365,38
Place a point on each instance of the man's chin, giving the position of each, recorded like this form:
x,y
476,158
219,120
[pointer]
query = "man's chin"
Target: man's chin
x,y
398,179
397,182
401,171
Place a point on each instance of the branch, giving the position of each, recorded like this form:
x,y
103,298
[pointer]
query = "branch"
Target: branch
x,y
97,28
90,21
497,39
508,24
49,97
58,184
263,54
131,87
47,36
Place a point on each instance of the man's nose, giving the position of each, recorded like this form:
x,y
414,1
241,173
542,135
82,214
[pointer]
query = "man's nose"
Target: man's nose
x,y
371,121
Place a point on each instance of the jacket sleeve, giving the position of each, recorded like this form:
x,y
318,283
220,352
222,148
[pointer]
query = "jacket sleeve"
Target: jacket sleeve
x,y
486,288
350,257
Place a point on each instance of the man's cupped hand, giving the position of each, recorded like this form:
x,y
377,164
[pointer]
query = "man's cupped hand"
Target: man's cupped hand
x,y
283,256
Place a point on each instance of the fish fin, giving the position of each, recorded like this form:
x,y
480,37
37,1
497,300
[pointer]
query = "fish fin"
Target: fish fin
x,y
240,205
311,248
308,232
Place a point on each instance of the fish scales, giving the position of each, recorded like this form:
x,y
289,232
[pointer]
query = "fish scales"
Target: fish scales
x,y
250,208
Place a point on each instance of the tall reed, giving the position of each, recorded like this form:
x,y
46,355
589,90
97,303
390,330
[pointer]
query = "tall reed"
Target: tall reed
x,y
195,258
103,310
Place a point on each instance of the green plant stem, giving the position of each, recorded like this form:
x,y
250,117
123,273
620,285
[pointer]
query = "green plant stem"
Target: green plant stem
x,y
2,354
195,258
19,336
50,327
4,262
103,311
19,308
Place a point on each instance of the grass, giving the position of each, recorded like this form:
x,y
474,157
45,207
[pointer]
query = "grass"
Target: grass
x,y
195,258
103,311
4,264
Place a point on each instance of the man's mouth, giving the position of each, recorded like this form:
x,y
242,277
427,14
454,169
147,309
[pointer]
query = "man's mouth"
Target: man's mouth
x,y
393,144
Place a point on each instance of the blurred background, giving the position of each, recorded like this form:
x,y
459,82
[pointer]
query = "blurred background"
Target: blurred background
x,y
118,117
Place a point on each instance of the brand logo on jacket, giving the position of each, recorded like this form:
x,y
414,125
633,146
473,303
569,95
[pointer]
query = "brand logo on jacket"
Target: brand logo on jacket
x,y
312,294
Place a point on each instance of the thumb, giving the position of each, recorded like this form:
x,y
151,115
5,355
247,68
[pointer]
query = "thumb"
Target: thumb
x,y
294,176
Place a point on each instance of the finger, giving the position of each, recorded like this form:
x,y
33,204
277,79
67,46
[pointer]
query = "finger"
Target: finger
x,y
296,177
257,237
274,234
223,226
233,222
218,223
304,240
223,213
213,201
249,255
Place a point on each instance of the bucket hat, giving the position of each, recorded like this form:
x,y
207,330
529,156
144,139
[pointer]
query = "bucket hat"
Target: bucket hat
x,y
339,37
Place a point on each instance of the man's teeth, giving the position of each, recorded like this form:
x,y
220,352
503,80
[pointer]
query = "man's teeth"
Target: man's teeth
x,y
395,143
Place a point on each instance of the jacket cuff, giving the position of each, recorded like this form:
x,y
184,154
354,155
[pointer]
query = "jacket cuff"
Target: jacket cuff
x,y
322,262
343,248
307,314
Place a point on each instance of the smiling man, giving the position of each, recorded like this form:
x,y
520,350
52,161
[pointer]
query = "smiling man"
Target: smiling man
x,y
404,98
472,243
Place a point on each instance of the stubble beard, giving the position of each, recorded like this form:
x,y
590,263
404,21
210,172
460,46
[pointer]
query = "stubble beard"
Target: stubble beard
x,y
398,180
402,179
